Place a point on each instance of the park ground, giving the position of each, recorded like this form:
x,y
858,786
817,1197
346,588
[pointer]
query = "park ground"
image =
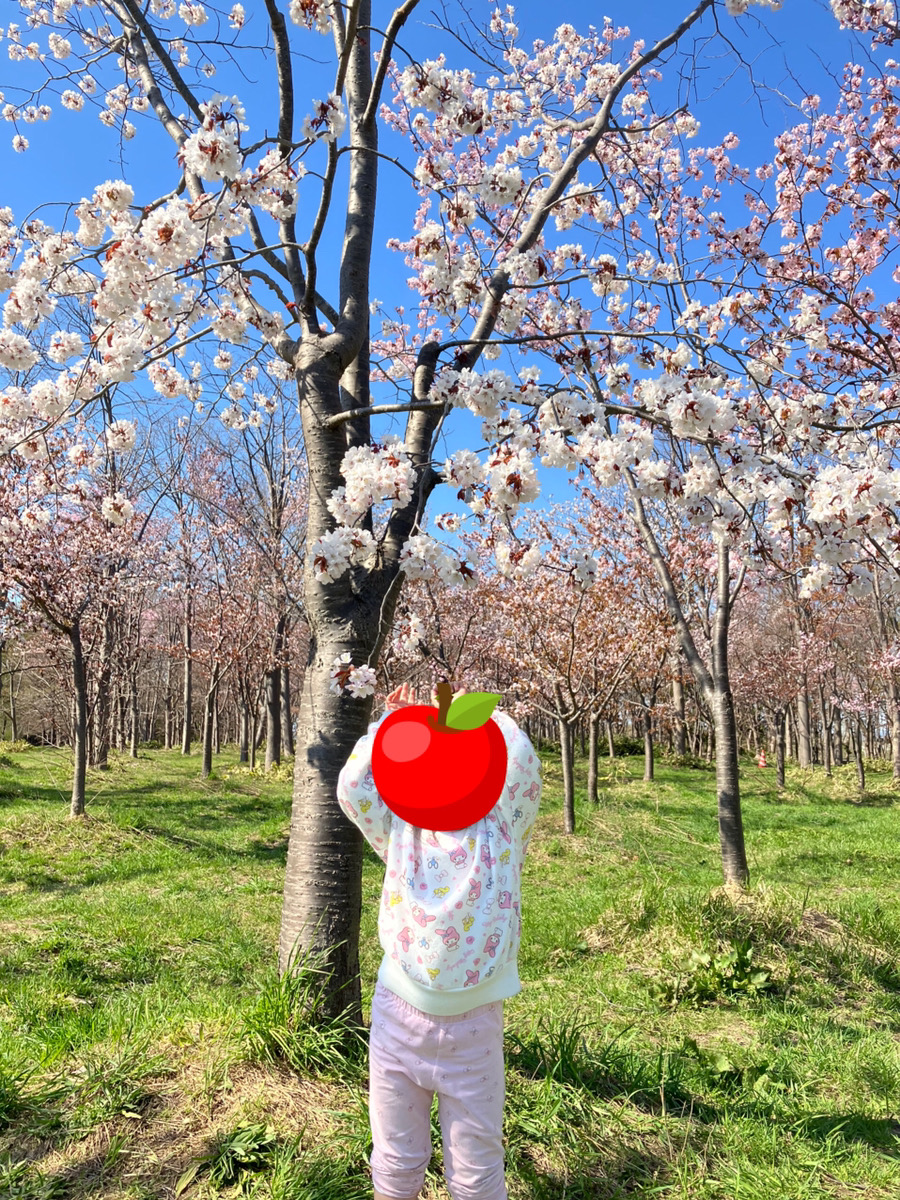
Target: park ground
x,y
669,1040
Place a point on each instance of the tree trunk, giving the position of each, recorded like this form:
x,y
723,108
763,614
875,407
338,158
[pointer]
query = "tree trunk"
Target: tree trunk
x,y
789,732
804,755
100,718
779,749
323,878
728,788
188,685
79,724
135,720
593,730
273,717
13,717
838,738
648,745
567,746
287,724
858,754
244,733
209,707
678,705
609,738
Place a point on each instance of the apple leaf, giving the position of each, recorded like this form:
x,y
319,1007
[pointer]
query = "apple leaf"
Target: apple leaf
x,y
472,710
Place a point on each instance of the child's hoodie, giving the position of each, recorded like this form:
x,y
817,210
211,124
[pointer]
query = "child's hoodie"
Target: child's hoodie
x,y
449,922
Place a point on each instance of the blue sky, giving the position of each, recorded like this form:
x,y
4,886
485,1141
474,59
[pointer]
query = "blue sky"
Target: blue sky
x,y
786,54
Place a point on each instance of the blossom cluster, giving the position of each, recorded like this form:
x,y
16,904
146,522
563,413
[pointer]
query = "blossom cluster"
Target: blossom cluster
x,y
359,681
374,473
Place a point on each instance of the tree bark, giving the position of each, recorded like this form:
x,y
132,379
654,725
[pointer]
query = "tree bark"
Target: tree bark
x,y
209,706
648,744
838,738
678,705
567,746
858,755
188,683
804,749
79,724
593,731
287,724
273,717
779,749
100,719
135,720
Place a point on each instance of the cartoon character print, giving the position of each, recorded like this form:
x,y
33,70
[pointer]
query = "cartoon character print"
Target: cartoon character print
x,y
420,916
458,857
492,942
504,829
405,938
505,899
449,936
467,922
474,891
486,855
441,892
471,978
533,792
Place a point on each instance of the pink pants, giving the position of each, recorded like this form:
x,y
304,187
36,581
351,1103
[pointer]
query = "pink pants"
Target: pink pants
x,y
412,1055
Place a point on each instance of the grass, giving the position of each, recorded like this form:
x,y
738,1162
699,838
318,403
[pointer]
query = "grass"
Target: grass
x,y
148,1049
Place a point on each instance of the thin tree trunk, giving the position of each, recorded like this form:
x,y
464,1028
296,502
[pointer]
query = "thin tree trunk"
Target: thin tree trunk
x,y
779,749
79,724
678,705
287,724
858,754
566,745
273,717
100,718
208,713
593,730
827,754
188,684
648,745
135,719
839,738
804,754
244,734
13,717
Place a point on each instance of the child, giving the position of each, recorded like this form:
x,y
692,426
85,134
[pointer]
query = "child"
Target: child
x,y
450,927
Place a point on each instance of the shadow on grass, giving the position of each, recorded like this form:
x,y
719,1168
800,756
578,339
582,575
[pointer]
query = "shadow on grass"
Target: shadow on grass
x,y
881,1134
620,1172
654,1081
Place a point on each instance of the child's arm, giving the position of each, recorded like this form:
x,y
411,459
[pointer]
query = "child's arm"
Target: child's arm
x,y
358,796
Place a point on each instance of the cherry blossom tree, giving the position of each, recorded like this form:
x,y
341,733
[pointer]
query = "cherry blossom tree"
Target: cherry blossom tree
x,y
59,533
508,152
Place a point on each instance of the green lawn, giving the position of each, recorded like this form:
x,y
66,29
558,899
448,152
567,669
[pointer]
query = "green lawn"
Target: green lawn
x,y
139,1005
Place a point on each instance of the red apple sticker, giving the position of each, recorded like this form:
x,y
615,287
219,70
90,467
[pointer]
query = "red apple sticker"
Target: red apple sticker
x,y
441,768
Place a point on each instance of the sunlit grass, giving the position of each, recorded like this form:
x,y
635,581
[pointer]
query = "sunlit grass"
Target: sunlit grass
x,y
145,1038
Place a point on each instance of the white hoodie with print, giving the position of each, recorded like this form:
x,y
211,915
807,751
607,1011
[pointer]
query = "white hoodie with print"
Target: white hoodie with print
x,y
449,922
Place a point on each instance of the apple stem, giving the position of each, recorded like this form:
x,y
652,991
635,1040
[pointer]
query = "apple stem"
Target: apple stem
x,y
445,699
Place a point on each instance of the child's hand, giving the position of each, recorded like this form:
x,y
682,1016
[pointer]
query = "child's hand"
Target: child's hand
x,y
400,697
456,695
